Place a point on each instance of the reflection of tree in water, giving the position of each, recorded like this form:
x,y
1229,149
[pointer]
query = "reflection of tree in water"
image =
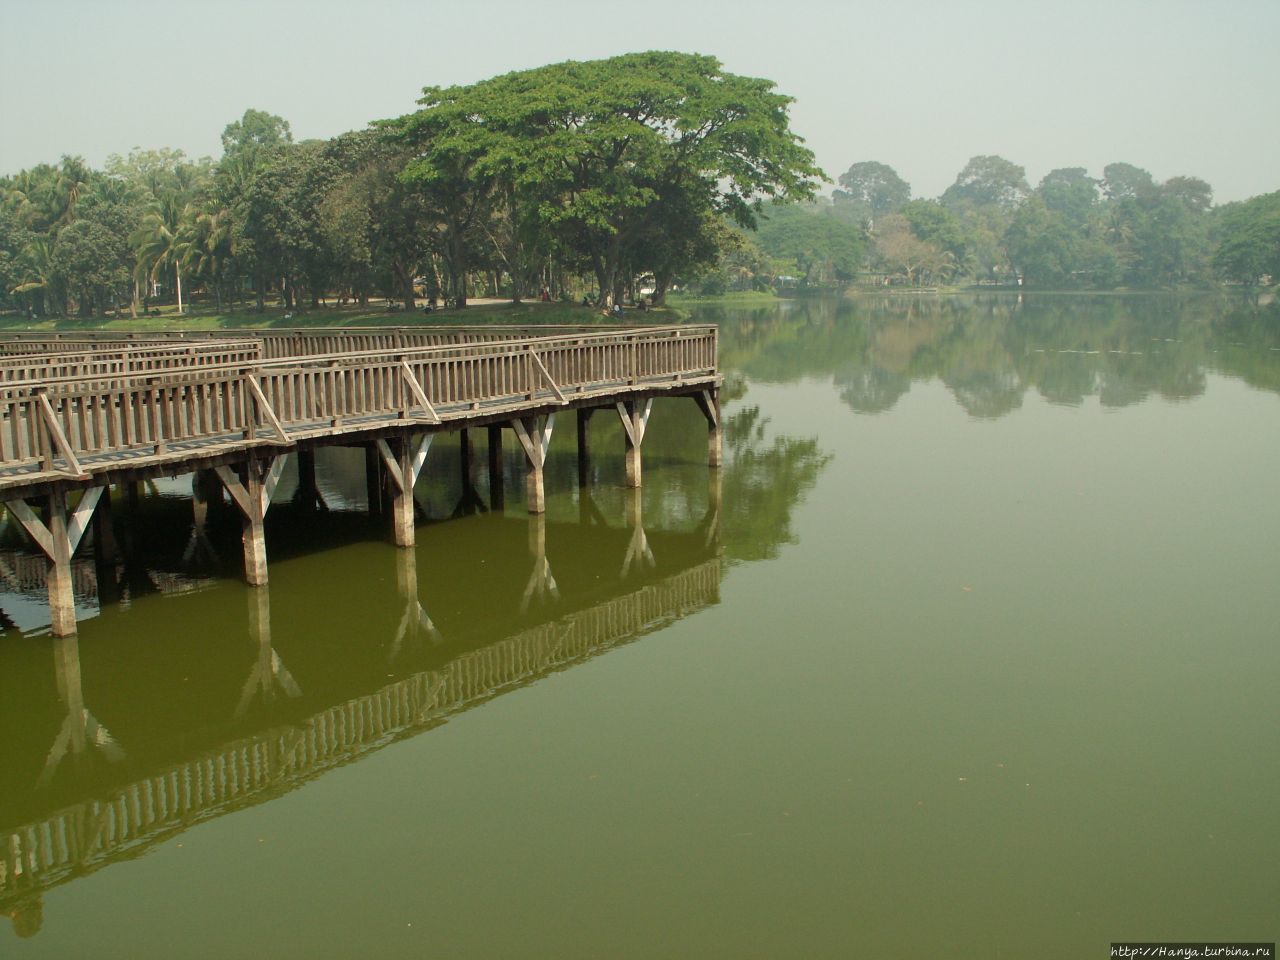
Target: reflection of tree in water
x,y
763,480
989,349
871,389
27,917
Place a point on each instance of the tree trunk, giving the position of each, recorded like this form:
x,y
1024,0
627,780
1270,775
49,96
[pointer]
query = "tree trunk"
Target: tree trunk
x,y
661,281
133,302
406,284
262,292
177,272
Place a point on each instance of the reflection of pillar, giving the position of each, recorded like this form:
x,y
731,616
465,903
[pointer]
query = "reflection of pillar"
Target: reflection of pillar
x,y
269,671
66,668
80,730
584,446
541,582
497,496
715,487
414,620
638,551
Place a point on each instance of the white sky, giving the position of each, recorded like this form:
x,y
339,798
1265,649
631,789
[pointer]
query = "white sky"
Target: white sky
x,y
1177,87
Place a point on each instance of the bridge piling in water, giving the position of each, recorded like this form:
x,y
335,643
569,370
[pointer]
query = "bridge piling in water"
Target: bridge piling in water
x,y
82,413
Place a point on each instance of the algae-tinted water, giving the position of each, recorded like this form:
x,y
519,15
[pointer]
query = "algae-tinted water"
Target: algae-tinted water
x,y
969,650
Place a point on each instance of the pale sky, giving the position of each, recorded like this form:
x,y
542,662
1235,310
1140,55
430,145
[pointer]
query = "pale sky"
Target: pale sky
x,y
1180,87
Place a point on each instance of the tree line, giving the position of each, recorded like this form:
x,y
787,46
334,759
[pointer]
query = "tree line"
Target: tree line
x,y
1072,231
596,179
579,177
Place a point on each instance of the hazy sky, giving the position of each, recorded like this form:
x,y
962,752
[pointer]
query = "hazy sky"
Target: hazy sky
x,y
1175,87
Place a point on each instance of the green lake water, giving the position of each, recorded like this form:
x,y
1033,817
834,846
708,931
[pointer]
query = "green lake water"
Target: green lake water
x,y
969,650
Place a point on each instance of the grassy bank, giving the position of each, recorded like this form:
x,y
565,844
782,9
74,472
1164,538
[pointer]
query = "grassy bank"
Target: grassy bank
x,y
741,297
497,312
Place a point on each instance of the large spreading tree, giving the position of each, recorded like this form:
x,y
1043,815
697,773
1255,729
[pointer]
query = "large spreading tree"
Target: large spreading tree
x,y
600,150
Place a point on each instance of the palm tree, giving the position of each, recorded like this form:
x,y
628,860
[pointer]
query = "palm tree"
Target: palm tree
x,y
163,239
212,245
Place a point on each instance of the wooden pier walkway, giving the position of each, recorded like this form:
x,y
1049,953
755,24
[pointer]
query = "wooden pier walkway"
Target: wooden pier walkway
x,y
80,413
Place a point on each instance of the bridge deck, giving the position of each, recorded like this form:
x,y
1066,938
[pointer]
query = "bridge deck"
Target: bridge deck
x,y
100,411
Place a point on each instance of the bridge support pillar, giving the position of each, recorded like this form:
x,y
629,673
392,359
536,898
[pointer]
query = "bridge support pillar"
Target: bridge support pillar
x,y
464,460
403,465
105,550
58,538
497,497
584,446
709,403
308,491
252,496
635,420
535,439
374,481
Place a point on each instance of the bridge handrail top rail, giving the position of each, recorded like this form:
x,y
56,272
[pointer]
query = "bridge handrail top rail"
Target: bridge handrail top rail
x,y
204,336
13,390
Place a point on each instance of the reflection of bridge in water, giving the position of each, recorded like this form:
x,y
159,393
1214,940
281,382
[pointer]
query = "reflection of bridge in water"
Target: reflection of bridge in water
x,y
125,821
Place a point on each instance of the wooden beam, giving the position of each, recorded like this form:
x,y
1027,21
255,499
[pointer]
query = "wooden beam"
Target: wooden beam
x,y
418,392
234,487
58,437
547,376
260,399
83,514
32,524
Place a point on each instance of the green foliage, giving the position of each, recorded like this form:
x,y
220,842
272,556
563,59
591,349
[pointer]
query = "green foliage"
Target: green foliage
x,y
1250,245
608,153
823,249
873,189
988,181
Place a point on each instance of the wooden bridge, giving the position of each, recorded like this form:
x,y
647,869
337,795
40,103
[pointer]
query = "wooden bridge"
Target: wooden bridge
x,y
83,837
79,413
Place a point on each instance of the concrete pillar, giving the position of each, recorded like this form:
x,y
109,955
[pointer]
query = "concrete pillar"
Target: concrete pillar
x,y
62,603
497,497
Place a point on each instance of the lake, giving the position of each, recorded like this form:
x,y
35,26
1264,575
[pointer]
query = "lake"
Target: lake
x,y
968,650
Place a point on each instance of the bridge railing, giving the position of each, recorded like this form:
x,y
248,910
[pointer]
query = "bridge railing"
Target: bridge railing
x,y
280,343
118,358
50,426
